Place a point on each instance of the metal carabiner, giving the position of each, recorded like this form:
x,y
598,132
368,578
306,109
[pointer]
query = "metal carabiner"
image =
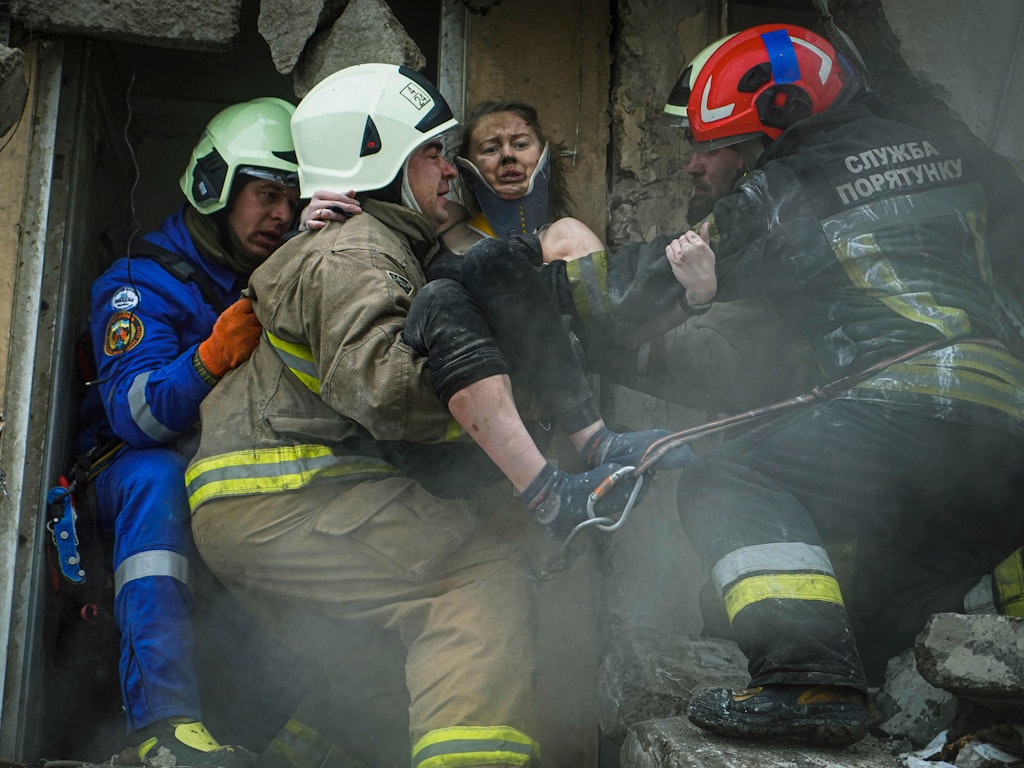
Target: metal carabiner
x,y
561,561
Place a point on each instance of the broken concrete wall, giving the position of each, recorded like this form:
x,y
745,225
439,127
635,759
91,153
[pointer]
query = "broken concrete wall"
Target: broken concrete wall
x,y
13,87
194,24
367,30
647,157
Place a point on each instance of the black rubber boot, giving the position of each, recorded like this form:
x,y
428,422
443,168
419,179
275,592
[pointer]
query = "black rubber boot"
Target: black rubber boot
x,y
823,715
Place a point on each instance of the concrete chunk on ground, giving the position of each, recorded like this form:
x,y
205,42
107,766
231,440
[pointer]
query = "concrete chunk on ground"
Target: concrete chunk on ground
x,y
676,743
909,707
977,656
649,675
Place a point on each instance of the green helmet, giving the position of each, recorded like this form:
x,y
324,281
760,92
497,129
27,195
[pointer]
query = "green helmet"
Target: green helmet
x,y
253,138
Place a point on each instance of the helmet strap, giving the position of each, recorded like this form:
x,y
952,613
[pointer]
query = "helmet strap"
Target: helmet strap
x,y
513,217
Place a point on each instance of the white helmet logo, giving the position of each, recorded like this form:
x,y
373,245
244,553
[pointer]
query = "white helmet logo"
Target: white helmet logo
x,y
826,62
711,114
416,97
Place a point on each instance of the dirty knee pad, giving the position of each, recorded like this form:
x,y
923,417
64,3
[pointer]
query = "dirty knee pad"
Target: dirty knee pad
x,y
445,325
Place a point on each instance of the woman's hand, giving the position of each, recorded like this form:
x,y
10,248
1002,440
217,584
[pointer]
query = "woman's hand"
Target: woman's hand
x,y
693,264
328,206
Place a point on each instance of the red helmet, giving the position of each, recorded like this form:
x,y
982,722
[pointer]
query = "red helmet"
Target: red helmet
x,y
758,81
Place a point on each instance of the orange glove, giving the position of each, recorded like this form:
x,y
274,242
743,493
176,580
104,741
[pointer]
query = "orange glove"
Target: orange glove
x,y
233,338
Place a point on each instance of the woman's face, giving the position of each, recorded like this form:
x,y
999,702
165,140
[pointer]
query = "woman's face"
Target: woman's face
x,y
506,150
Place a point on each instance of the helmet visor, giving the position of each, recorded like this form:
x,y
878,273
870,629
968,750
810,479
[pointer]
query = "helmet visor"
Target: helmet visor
x,y
724,141
287,178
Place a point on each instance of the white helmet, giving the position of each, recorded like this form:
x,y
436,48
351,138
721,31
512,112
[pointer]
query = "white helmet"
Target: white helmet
x,y
356,128
252,138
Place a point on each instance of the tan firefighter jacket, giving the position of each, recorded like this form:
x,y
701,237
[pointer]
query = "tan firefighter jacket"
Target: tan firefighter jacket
x,y
331,384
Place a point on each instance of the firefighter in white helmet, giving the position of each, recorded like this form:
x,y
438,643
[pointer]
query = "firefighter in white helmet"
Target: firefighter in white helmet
x,y
304,489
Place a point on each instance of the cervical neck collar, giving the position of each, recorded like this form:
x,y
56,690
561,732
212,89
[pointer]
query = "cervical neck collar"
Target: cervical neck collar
x,y
512,217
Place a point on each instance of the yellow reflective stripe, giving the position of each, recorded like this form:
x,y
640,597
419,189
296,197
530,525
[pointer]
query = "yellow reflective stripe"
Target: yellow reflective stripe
x,y
298,358
978,223
468,745
272,470
301,746
1009,583
865,264
588,281
453,432
975,373
781,586
994,361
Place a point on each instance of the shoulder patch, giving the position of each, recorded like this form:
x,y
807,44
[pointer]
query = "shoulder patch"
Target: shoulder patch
x,y
124,298
400,280
124,332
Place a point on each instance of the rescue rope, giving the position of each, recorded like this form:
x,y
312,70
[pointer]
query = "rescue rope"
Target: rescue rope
x,y
820,394
659,448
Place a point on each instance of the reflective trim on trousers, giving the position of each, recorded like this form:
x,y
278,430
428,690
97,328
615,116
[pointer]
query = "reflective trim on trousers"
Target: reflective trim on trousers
x,y
155,562
757,558
781,571
806,587
462,746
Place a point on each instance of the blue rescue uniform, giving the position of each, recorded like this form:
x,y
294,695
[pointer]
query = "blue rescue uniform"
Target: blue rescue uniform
x,y
145,325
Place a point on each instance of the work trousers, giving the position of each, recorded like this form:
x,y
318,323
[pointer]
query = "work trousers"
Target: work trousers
x,y
141,498
923,506
336,557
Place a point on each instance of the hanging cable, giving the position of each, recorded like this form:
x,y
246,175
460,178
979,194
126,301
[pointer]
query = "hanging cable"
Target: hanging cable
x,y
1010,70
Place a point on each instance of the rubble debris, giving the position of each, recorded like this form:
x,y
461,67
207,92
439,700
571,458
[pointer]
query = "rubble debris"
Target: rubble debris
x,y
13,93
978,656
647,678
675,743
198,25
649,674
367,30
908,706
287,25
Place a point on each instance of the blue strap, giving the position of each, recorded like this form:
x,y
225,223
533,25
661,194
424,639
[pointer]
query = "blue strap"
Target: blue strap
x,y
782,56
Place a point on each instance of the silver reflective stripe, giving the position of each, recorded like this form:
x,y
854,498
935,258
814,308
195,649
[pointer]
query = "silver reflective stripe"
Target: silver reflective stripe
x,y
980,598
788,558
142,415
299,360
157,562
901,210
